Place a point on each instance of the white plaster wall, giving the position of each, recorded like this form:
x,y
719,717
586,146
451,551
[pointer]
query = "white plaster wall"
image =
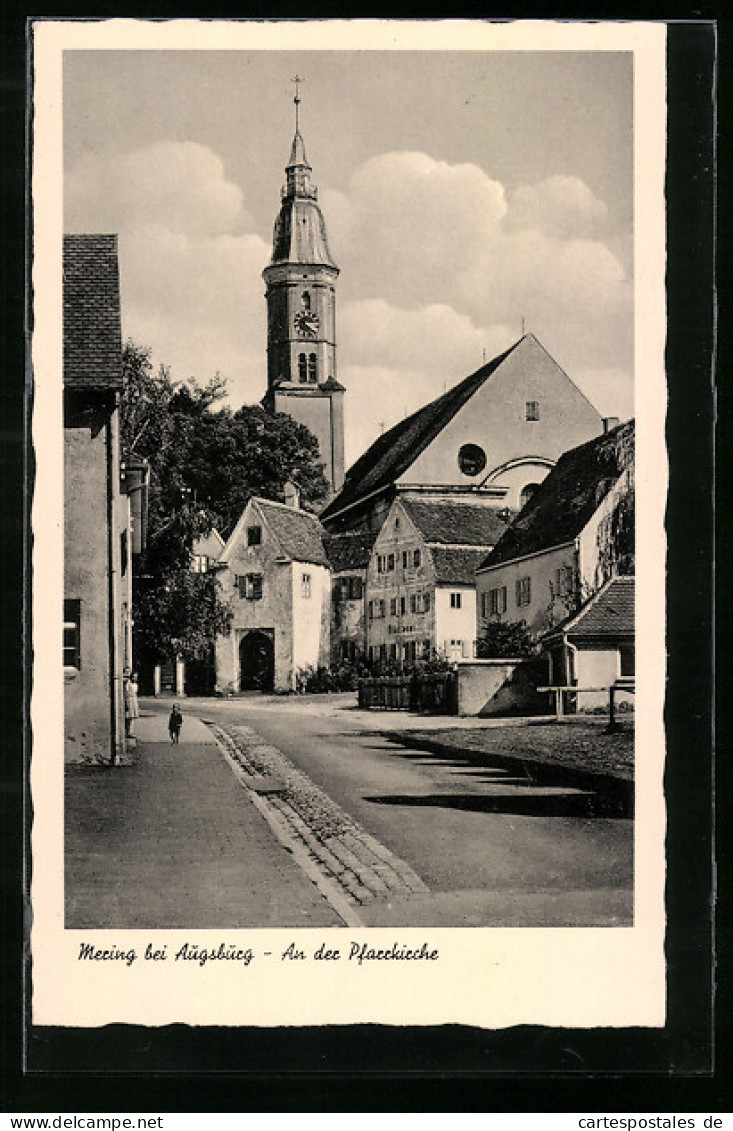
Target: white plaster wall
x,y
310,639
455,624
495,419
544,610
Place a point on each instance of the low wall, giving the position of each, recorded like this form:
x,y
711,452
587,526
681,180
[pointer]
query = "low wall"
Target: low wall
x,y
498,687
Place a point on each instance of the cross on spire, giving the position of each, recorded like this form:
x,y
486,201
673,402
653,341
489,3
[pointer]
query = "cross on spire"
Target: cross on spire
x,y
297,80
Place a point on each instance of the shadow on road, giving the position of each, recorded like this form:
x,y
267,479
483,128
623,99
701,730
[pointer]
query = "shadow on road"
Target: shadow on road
x,y
578,806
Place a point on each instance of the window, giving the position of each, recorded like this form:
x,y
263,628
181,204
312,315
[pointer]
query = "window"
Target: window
x,y
532,410
393,651
382,608
484,604
405,558
380,563
312,369
523,591
305,300
564,581
455,600
348,589
123,553
200,563
390,562
416,558
627,654
426,603
403,606
348,651
413,603
471,459
302,368
254,535
305,585
371,610
72,634
393,606
249,586
497,601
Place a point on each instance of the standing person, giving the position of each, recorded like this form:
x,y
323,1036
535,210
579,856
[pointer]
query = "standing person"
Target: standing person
x,y
175,722
132,709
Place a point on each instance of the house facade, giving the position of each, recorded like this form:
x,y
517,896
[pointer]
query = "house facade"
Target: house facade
x,y
420,585
595,647
98,534
573,534
276,577
348,557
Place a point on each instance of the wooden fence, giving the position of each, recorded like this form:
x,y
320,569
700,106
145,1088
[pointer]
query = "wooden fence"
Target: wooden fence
x,y
435,694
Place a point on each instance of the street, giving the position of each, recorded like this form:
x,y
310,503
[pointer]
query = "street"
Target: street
x,y
490,848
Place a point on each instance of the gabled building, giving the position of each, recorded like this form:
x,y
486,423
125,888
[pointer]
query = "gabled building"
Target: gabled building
x,y
495,435
421,580
275,575
348,556
98,547
595,647
574,533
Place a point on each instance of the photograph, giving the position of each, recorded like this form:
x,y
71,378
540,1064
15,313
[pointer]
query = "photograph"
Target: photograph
x,y
349,337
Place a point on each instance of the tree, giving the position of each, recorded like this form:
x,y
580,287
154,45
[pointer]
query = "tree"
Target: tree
x,y
505,640
205,462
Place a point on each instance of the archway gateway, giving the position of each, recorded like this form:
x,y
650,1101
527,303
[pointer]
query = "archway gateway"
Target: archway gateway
x,y
257,660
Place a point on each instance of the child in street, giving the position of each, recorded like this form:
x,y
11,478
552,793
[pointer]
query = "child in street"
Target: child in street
x,y
175,722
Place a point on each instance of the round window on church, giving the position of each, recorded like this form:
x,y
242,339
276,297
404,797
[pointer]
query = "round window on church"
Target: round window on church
x,y
471,459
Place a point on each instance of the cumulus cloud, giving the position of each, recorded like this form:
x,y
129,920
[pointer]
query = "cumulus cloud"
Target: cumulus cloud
x,y
180,184
562,207
190,267
439,268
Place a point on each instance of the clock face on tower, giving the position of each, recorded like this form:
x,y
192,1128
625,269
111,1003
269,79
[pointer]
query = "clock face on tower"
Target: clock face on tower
x,y
306,324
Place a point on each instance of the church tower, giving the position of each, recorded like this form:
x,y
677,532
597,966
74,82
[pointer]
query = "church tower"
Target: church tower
x,y
301,315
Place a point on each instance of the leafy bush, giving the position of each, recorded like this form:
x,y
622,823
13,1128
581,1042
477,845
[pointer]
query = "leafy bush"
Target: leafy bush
x,y
512,639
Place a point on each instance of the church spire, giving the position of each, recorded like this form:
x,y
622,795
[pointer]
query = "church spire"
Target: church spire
x,y
298,170
301,303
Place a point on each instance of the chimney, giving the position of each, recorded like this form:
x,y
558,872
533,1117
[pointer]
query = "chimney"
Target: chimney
x,y
292,495
610,422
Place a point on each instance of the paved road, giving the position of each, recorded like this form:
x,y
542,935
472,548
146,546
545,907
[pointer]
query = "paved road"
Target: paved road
x,y
172,840
492,849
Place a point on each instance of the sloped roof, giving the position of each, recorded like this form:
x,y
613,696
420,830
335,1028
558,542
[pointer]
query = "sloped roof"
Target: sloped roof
x,y
91,310
394,451
469,523
565,501
456,566
608,614
299,533
350,550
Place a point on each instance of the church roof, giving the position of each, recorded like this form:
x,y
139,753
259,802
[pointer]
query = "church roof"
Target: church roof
x,y
394,451
299,533
565,501
456,566
299,235
471,522
608,614
349,550
91,312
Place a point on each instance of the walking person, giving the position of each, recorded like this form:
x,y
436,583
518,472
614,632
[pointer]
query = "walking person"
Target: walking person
x,y
175,722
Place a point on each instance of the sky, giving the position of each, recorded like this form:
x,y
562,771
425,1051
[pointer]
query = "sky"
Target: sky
x,y
468,196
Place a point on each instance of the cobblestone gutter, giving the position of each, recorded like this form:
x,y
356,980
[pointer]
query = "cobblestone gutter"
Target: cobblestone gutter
x,y
341,850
